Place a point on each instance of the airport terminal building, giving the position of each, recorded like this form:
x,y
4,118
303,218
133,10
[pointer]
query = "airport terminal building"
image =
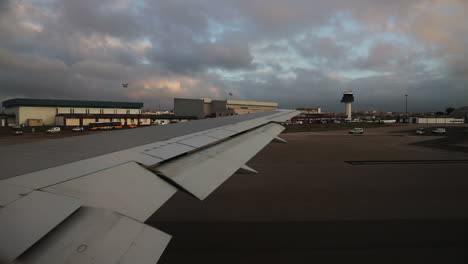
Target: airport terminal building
x,y
206,107
72,113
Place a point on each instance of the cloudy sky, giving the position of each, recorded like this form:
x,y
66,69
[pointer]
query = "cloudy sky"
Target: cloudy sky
x,y
300,53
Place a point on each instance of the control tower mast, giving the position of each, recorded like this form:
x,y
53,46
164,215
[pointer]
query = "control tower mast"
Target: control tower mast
x,y
348,99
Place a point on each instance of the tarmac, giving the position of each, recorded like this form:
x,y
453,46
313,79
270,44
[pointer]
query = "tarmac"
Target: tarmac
x,y
401,202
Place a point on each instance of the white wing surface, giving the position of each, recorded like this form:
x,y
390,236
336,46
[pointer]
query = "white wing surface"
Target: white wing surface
x,y
85,199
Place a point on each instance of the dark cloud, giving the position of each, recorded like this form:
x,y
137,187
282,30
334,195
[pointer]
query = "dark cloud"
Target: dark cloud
x,y
228,54
307,88
297,52
100,17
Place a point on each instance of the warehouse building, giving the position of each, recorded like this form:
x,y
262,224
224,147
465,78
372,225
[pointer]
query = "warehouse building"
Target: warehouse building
x,y
308,115
310,110
206,107
71,113
436,120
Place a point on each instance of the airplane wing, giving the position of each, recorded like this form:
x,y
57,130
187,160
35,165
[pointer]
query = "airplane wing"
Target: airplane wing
x,y
85,199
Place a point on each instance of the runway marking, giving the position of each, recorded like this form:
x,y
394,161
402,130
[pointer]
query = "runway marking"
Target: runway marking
x,y
396,162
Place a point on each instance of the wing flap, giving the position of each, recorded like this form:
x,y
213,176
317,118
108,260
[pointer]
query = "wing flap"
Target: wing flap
x,y
128,189
202,172
94,235
28,219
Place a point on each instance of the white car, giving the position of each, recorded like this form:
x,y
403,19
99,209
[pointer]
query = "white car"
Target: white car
x,y
356,130
439,131
78,129
17,131
53,130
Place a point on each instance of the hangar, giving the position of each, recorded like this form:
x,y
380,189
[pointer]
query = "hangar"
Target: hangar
x,y
51,112
206,107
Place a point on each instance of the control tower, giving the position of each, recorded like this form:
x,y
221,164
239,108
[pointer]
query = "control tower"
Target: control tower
x,y
348,99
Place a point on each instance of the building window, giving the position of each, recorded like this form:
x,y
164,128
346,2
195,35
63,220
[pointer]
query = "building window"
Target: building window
x,y
128,112
115,111
87,111
102,111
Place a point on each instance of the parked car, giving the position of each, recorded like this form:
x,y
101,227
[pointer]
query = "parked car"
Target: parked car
x,y
356,130
17,131
53,130
420,131
439,131
337,121
323,121
78,129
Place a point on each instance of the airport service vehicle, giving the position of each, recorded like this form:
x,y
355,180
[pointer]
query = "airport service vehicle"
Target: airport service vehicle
x,y
105,125
53,130
356,130
420,131
78,129
17,131
439,131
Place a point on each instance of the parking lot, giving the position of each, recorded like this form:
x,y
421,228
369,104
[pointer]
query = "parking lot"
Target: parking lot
x,y
311,203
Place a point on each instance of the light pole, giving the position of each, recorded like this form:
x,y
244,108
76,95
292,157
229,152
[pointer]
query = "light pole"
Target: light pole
x,y
406,96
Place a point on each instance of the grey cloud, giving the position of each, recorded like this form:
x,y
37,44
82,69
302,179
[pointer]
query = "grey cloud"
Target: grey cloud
x,y
88,16
309,88
106,71
383,56
388,93
62,48
458,66
228,53
324,50
12,62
